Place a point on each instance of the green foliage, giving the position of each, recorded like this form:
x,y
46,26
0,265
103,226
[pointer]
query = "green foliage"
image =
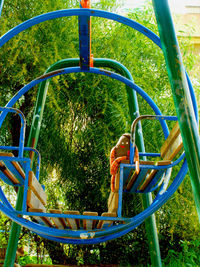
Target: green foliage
x,y
84,117
188,256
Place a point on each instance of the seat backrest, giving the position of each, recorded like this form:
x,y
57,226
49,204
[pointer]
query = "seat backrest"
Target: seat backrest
x,y
172,144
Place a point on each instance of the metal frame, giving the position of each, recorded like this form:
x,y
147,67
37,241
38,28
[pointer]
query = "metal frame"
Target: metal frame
x,y
181,93
113,231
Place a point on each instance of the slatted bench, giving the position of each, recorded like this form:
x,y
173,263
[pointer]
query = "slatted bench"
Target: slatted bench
x,y
148,175
37,200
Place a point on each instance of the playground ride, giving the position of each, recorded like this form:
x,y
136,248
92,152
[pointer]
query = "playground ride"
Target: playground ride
x,y
130,174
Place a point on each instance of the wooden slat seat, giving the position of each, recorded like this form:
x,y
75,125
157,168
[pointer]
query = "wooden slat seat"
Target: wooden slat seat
x,y
104,224
36,188
40,219
73,224
147,178
37,200
58,222
89,224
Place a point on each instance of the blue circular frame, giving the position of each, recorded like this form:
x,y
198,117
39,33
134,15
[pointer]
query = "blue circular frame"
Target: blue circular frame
x,y
113,231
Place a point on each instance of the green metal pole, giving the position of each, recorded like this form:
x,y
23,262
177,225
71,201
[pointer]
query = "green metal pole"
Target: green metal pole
x,y
41,99
14,235
150,223
181,94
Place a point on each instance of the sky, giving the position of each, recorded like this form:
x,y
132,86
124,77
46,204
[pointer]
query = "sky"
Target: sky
x,y
175,5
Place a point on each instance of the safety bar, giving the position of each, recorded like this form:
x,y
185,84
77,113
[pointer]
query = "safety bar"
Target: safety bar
x,y
150,117
22,130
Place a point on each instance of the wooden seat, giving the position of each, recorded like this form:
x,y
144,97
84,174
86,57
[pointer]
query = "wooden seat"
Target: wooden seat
x,y
148,177
89,224
37,200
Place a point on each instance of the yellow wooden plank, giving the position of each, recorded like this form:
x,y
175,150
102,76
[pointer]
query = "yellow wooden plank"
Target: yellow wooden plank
x,y
59,222
102,223
40,219
174,149
133,175
152,174
15,163
113,204
73,223
132,180
36,187
89,224
110,198
33,202
148,180
147,162
173,140
8,173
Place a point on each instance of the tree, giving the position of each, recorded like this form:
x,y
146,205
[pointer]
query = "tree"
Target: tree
x,y
84,114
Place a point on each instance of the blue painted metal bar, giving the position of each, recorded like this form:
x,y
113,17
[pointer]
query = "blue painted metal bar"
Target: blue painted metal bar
x,y
112,232
139,179
95,71
23,125
5,201
81,217
12,168
5,179
148,117
158,175
119,211
27,169
84,23
86,12
1,6
148,154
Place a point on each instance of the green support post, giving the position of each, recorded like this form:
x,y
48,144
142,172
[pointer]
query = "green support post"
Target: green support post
x,y
41,99
181,94
14,235
150,223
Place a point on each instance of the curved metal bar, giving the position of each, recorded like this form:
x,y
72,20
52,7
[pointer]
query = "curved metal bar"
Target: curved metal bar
x,y
5,200
86,12
150,117
107,73
6,110
1,6
79,12
156,204
112,232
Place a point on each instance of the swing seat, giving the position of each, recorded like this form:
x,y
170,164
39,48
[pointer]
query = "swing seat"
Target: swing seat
x,y
16,171
152,173
37,200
